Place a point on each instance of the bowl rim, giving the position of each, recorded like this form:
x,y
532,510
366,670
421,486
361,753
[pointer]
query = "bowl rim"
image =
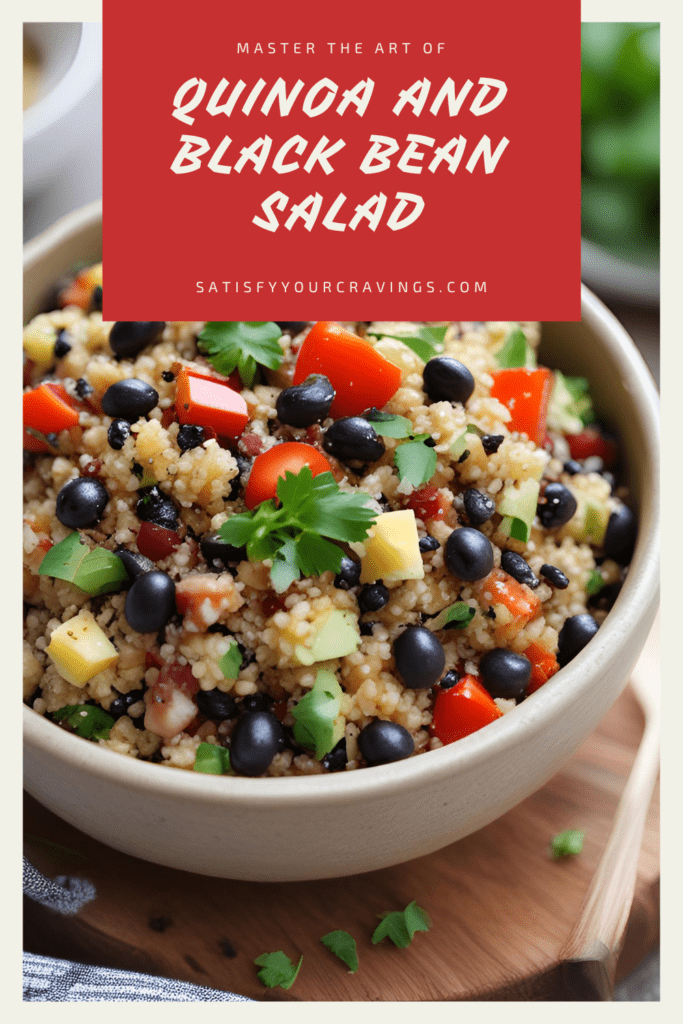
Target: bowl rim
x,y
637,598
77,81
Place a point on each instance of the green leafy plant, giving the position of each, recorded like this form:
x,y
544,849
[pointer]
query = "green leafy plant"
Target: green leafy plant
x,y
400,925
342,945
415,461
277,969
243,345
516,352
388,425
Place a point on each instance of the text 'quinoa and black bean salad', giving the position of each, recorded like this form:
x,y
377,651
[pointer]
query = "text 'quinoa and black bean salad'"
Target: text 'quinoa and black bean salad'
x,y
294,548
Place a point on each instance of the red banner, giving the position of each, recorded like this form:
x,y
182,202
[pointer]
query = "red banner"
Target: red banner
x,y
379,161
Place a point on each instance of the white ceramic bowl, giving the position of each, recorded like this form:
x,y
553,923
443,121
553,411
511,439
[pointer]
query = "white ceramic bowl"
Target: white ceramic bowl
x,y
322,826
67,107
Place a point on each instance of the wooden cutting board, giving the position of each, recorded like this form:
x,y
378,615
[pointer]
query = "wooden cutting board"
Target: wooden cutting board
x,y
501,909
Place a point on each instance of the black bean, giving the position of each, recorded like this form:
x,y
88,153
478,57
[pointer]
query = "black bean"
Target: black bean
x,y
372,597
292,326
256,702
83,389
213,547
129,399
96,300
336,760
117,434
519,569
383,742
366,628
190,436
348,575
447,380
81,502
257,737
119,706
620,537
134,563
353,439
554,576
428,544
62,346
469,554
606,596
156,507
478,506
128,337
305,404
420,657
492,442
574,635
150,602
572,467
505,673
168,376
216,705
558,508
451,679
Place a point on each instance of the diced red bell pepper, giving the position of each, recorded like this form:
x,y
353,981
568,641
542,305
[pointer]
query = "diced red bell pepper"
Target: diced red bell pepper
x,y
526,394
591,442
47,409
463,709
543,666
426,504
360,376
206,402
156,542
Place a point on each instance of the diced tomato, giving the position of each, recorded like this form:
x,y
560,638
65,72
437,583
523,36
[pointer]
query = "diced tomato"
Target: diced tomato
x,y
180,676
250,445
272,603
462,709
279,709
268,467
207,402
171,708
92,468
156,542
543,666
47,409
45,544
152,660
526,394
360,376
426,504
515,602
591,442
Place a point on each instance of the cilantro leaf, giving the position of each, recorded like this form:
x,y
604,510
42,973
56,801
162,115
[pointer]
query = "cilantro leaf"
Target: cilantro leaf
x,y
566,844
426,340
415,461
595,583
516,352
388,425
88,720
212,760
231,661
316,713
241,344
342,945
456,616
277,969
296,536
95,572
401,925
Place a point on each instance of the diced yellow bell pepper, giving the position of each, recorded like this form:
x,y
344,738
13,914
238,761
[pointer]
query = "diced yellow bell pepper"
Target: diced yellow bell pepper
x,y
392,550
80,649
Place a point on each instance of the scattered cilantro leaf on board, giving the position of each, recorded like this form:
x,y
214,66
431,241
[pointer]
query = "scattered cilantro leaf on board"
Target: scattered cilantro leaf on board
x,y
241,344
400,925
89,721
231,661
415,461
426,340
277,969
566,844
296,535
95,572
342,945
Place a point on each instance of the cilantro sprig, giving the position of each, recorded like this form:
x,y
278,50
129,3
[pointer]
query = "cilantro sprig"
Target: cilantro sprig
x,y
277,969
298,535
343,945
426,340
241,344
400,925
88,720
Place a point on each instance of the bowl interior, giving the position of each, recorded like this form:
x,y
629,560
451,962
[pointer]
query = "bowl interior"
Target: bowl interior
x,y
57,45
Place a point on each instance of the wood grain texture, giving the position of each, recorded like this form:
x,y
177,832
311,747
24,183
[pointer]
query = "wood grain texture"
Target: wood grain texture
x,y
501,910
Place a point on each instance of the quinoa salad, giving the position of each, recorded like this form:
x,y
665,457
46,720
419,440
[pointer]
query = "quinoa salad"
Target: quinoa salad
x,y
291,548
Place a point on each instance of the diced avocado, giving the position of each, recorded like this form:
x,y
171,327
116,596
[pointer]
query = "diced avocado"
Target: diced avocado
x,y
392,551
588,525
570,407
79,649
517,504
336,636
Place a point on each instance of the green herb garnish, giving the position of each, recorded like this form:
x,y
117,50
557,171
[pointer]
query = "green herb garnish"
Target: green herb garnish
x,y
95,572
241,344
595,583
277,969
401,925
415,461
425,341
388,425
342,945
231,662
457,616
88,720
297,536
516,352
212,759
316,715
566,844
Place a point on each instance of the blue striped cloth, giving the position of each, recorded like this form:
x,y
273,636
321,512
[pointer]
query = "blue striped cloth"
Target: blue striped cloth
x,y
50,980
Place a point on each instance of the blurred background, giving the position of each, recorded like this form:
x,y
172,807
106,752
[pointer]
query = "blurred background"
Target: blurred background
x,y
620,182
